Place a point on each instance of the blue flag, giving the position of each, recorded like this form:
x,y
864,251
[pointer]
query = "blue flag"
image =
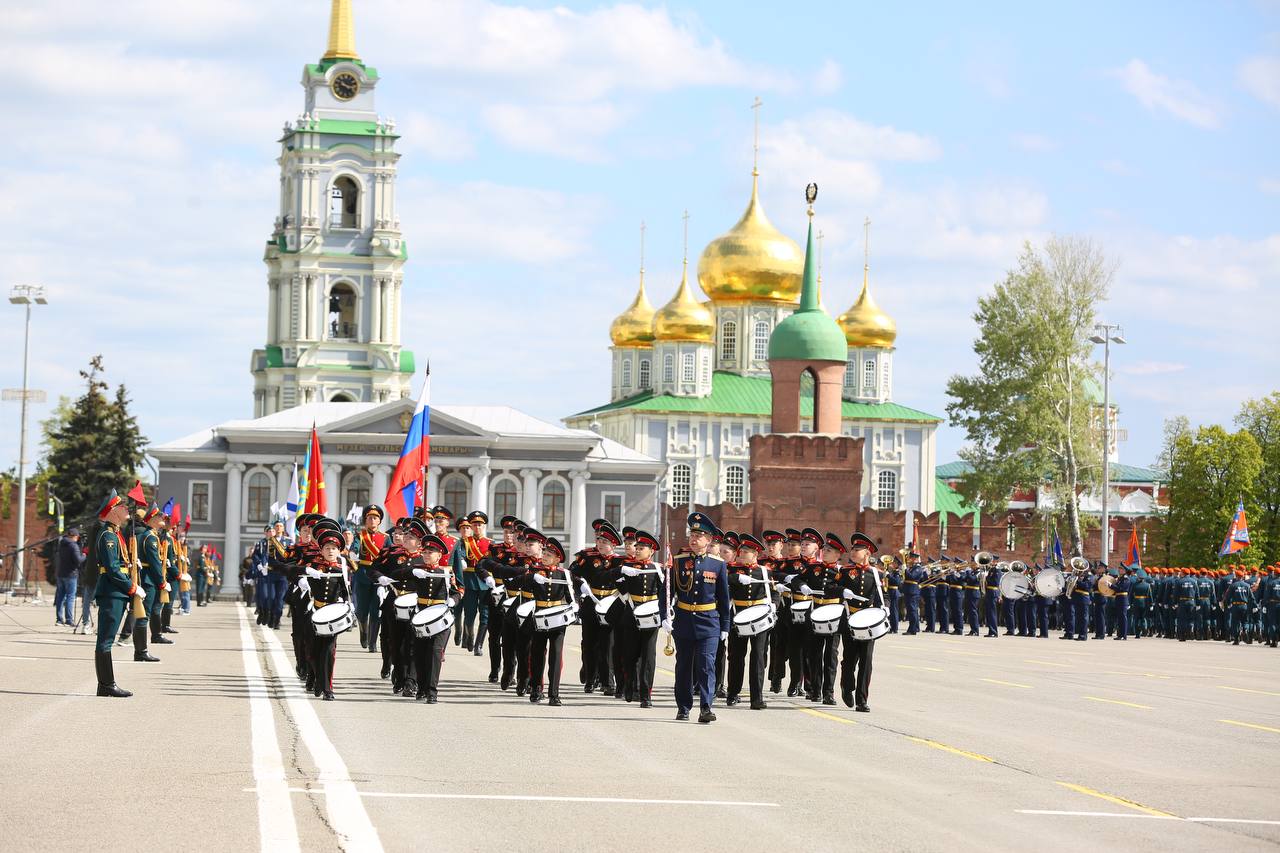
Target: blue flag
x,y
1057,550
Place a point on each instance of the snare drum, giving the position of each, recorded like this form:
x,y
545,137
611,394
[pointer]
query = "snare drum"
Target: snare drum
x,y
755,619
869,623
647,615
800,611
525,609
333,619
604,605
825,618
498,595
551,618
508,601
406,605
430,621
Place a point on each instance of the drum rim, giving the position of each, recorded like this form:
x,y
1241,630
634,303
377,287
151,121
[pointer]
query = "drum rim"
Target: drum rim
x,y
884,618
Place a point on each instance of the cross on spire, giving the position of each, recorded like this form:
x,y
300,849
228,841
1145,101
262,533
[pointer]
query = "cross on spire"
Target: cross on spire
x,y
755,161
686,236
866,244
642,227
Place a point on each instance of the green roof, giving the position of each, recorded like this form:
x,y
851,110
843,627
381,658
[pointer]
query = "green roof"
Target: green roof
x,y
1119,473
406,361
732,394
342,127
275,356
325,64
947,499
809,334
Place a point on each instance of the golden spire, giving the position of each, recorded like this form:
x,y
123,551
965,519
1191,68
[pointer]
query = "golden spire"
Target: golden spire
x,y
755,147
634,327
684,318
864,324
342,32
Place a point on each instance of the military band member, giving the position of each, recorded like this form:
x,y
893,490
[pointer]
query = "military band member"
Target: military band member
x,y
292,566
893,584
915,575
750,586
956,595
515,637
858,588
326,582
818,583
1080,600
798,633
436,586
726,545
382,573
151,575
777,651
640,580
1121,588
927,600
368,545
700,621
595,569
474,546
504,553
552,587
115,589
990,592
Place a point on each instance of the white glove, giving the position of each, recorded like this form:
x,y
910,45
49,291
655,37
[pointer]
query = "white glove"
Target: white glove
x,y
848,595
420,573
804,589
787,580
539,579
303,586
630,571
451,602
574,606
166,586
139,591
585,590
262,570
740,579
489,582
384,580
313,572
666,624
724,635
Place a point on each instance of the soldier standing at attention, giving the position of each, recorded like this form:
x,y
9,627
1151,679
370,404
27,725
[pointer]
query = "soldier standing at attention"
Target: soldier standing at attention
x,y
1121,588
151,576
114,590
1140,605
893,580
777,652
915,575
749,583
1238,601
369,544
859,589
701,619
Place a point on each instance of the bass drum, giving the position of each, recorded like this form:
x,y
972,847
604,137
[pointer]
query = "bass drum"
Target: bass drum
x,y
755,619
1014,586
430,621
333,619
647,615
869,623
1050,583
825,618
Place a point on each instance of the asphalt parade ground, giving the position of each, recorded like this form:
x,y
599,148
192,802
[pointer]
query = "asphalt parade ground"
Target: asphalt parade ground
x,y
972,743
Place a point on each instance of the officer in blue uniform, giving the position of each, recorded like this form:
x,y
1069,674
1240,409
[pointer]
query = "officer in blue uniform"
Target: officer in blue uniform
x,y
911,592
1121,588
701,618
893,580
991,600
1098,602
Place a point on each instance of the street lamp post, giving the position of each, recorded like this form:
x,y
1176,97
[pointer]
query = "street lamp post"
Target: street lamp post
x,y
1106,334
24,294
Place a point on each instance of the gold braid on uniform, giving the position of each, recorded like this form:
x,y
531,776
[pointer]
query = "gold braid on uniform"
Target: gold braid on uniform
x,y
683,587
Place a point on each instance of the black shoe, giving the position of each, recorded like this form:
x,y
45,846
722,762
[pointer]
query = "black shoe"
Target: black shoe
x,y
106,676
793,690
161,640
973,633
759,705
993,634
328,696
431,700
812,697
535,698
828,700
1081,639
847,696
864,709
519,690
493,679
707,716
644,703
140,652
732,700
167,630
910,633
682,716
554,702
776,686
588,688
410,687
720,694
386,671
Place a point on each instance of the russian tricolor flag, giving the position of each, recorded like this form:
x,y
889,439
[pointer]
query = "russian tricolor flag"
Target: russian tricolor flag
x,y
406,490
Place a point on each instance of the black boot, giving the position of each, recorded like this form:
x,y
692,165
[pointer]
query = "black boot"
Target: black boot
x,y
478,647
364,633
106,676
467,638
457,633
166,615
140,652
158,639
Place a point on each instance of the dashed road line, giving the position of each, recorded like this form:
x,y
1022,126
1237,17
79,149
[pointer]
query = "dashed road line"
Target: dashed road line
x,y
1007,683
1119,801
1047,663
1251,726
1248,690
975,756
1119,702
824,715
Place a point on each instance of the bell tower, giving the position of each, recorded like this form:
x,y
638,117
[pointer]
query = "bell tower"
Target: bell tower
x,y
336,255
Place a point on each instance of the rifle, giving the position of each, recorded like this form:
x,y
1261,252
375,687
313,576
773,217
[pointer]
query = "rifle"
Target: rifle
x,y
139,601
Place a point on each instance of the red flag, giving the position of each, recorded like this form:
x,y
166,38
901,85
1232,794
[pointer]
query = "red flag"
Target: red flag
x,y
315,479
186,526
176,518
136,494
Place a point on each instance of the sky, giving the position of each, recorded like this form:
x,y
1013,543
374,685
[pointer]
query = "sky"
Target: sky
x,y
139,182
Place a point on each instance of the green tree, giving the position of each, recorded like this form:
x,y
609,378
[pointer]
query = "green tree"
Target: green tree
x,y
93,444
1262,420
1028,412
1210,472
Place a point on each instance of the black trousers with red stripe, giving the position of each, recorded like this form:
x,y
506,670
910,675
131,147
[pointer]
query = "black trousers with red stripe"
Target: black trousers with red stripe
x,y
546,654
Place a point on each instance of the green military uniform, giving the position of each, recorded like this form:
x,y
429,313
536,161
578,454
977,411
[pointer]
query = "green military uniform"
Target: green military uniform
x,y
151,577
172,574
112,593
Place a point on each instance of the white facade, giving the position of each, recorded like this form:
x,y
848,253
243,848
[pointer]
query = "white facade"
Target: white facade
x,y
742,335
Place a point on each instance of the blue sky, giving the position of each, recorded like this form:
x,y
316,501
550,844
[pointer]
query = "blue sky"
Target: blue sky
x,y
140,181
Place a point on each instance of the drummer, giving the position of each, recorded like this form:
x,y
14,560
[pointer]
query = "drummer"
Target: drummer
x,y
381,580
552,587
749,587
727,542
859,589
644,583
327,583
798,570
777,652
435,585
821,652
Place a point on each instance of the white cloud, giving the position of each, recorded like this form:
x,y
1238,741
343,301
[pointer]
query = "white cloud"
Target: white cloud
x,y
434,136
1177,98
1260,76
829,78
1271,186
1152,368
563,130
1035,142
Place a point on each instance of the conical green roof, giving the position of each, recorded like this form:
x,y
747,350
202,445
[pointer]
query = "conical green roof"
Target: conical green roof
x,y
810,334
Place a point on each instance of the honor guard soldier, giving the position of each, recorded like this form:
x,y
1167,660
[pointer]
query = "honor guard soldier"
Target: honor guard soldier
x,y
116,589
750,586
1121,589
151,573
326,581
172,576
643,584
475,592
1238,601
1269,606
701,619
553,587
772,562
859,588
911,592
369,544
1140,605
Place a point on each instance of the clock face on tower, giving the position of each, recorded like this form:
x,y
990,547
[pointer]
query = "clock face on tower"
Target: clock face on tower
x,y
345,86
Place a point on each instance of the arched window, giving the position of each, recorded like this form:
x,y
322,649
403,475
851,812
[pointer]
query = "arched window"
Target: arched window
x,y
706,368
681,483
645,379
356,491
453,494
760,342
506,499
687,368
344,204
626,373
887,490
260,496
868,375
668,368
729,341
735,485
553,499
851,372
342,312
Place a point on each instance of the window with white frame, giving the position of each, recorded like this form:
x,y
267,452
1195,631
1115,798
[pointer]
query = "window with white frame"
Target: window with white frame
x,y
645,379
198,500
453,494
626,373
706,368
887,490
356,490
668,368
868,375
506,498
553,503
884,374
259,496
687,368
611,509
735,485
760,342
681,483
729,340
851,372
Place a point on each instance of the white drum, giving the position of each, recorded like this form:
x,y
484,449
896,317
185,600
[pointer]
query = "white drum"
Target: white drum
x,y
604,605
1014,586
755,619
1050,583
406,605
800,611
508,601
551,618
825,618
430,621
525,609
498,595
647,615
333,619
869,623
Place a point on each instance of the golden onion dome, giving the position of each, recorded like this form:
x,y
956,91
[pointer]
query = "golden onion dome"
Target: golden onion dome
x,y
684,318
634,327
865,324
752,261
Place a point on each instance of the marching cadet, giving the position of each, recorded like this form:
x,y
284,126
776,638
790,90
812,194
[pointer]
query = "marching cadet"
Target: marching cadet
x,y
292,565
515,640
594,569
893,581
368,545
553,587
115,590
1238,601
504,553
728,551
858,588
1269,605
431,576
475,546
443,517
819,583
700,621
798,634
382,579
749,585
911,591
151,575
326,581
642,581
777,652
1121,589
789,566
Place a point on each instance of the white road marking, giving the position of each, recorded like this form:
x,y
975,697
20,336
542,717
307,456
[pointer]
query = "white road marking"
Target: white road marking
x,y
536,798
276,825
1150,816
347,814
